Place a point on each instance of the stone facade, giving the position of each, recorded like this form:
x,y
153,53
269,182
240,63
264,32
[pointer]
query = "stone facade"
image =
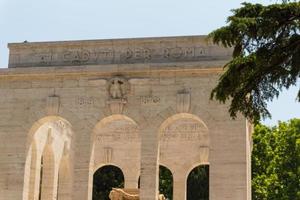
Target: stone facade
x,y
68,108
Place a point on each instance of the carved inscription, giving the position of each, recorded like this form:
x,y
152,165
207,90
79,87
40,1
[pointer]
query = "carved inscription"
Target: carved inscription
x,y
45,58
149,100
185,130
104,55
76,56
137,54
118,131
110,55
84,102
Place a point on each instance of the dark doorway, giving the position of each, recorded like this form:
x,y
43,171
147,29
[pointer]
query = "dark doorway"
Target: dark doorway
x,y
105,178
198,183
165,182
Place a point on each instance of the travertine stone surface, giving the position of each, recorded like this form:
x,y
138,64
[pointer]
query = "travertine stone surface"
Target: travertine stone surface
x,y
118,51
69,108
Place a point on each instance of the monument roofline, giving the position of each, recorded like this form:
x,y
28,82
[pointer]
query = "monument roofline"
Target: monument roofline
x,y
28,44
116,51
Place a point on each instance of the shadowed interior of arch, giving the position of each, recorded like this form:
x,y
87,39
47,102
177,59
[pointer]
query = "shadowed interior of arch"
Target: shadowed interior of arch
x,y
198,183
106,178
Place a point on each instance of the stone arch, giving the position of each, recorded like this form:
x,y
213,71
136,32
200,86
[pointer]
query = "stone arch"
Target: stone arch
x,y
42,121
47,139
184,130
189,131
171,118
114,139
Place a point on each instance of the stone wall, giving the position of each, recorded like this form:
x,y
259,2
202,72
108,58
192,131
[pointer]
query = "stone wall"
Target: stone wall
x,y
132,103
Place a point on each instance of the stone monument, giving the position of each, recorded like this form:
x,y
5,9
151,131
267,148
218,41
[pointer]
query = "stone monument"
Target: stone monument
x,y
69,108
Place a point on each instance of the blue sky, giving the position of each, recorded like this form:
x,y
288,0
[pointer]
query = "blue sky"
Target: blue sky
x,y
50,20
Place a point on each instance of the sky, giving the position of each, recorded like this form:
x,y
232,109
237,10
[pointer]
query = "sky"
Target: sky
x,y
55,20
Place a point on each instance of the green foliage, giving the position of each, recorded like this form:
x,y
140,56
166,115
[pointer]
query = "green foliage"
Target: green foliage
x,y
266,56
165,182
198,183
276,162
105,179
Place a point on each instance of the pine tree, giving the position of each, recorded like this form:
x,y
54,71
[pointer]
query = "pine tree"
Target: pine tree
x,y
266,56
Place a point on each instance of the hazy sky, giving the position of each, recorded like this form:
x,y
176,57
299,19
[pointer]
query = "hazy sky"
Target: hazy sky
x,y
48,20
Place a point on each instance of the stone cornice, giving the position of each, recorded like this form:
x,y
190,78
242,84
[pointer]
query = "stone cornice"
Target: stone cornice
x,y
116,51
182,69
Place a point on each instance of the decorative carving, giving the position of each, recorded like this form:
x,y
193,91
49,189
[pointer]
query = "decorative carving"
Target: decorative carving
x,y
118,88
76,56
183,102
185,130
85,102
52,107
108,153
128,194
149,100
45,58
118,131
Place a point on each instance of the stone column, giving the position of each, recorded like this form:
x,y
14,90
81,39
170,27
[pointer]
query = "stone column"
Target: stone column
x,y
81,164
149,163
131,180
179,185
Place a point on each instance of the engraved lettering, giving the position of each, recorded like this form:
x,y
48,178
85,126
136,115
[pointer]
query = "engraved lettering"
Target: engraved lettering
x,y
76,56
84,102
185,130
149,100
118,131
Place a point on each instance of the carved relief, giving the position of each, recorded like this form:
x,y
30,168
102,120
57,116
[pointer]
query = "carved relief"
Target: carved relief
x,y
183,101
53,103
149,100
185,130
137,54
108,153
118,131
92,55
84,101
76,56
117,88
44,58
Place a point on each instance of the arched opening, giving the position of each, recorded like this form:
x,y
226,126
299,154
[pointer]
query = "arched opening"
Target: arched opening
x,y
48,138
198,183
115,141
106,178
165,182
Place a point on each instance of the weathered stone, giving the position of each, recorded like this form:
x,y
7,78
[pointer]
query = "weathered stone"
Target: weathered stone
x,y
72,107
